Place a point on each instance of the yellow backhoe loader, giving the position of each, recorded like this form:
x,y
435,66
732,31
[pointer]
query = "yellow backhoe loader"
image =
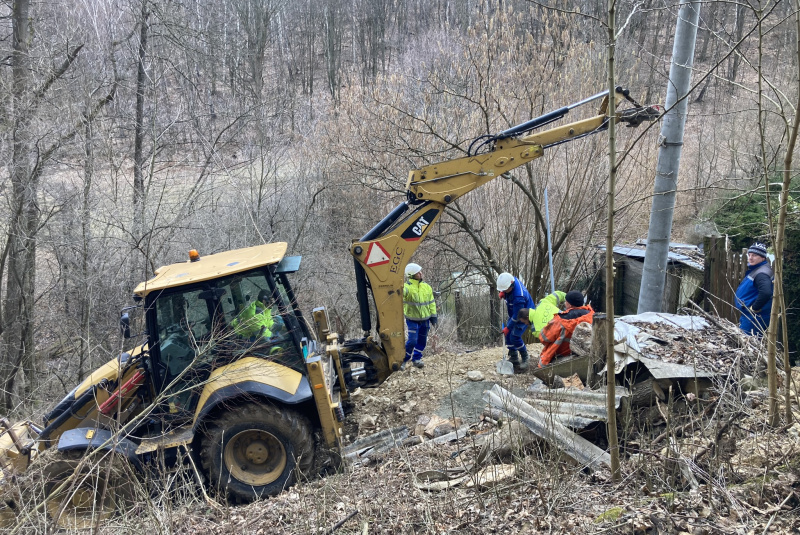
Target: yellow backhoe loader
x,y
232,372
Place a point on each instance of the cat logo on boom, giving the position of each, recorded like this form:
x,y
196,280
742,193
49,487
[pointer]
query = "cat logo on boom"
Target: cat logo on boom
x,y
415,231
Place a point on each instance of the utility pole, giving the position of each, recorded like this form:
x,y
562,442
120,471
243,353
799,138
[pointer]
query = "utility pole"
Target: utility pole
x,y
651,292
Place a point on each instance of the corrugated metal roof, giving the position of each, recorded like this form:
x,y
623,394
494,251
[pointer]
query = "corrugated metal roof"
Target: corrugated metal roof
x,y
376,443
666,370
632,251
571,406
635,252
546,424
673,245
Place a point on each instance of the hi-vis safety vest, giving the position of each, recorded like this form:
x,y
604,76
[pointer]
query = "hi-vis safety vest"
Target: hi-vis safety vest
x,y
557,334
418,303
545,311
250,322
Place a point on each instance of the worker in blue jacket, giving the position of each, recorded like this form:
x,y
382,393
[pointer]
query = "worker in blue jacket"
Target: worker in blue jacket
x,y
516,297
754,294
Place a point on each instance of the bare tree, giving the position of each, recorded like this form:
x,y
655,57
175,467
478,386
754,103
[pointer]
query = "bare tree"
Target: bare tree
x,y
611,424
30,156
778,312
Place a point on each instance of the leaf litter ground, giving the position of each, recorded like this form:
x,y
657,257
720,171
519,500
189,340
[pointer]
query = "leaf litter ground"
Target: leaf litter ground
x,y
754,486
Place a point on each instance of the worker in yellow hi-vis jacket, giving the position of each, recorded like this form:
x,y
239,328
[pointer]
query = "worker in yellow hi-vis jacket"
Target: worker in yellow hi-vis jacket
x,y
419,308
539,316
255,320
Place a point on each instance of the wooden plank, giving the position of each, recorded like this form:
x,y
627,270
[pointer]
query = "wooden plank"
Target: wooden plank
x,y
708,262
631,283
725,294
716,267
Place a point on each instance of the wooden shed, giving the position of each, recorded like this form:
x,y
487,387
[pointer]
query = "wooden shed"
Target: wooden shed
x,y
684,277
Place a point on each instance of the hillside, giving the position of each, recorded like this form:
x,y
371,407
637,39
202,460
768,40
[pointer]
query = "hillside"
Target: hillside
x,y
753,488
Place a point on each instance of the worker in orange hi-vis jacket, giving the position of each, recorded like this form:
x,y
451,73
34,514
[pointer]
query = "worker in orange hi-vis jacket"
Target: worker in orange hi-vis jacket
x,y
558,332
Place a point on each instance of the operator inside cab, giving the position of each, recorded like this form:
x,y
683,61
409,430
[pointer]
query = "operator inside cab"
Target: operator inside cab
x,y
256,320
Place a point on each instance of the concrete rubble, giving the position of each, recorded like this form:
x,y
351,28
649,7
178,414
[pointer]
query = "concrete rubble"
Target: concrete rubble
x,y
475,375
433,426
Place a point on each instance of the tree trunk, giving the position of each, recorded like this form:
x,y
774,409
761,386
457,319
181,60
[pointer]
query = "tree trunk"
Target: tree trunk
x,y
333,47
611,424
85,296
138,142
738,32
17,313
778,308
656,48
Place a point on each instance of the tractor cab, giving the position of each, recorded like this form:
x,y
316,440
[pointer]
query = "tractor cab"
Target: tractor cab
x,y
209,312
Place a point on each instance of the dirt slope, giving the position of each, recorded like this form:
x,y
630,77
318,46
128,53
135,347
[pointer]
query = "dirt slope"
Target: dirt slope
x,y
440,387
750,485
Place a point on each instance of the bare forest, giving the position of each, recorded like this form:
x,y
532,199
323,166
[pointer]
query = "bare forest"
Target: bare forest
x,y
132,131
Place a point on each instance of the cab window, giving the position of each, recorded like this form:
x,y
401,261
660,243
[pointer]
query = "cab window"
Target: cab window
x,y
223,319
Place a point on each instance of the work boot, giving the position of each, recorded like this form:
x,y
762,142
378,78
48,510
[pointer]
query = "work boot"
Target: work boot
x,y
418,364
513,357
523,365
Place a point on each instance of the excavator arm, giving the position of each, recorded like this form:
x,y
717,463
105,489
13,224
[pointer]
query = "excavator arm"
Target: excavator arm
x,y
381,255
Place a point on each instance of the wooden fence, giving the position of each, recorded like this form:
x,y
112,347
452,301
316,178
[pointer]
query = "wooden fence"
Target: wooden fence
x,y
724,270
476,321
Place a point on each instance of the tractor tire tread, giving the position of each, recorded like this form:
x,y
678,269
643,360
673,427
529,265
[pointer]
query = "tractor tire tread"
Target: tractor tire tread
x,y
294,427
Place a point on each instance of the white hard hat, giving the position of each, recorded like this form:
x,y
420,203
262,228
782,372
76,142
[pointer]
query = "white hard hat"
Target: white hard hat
x,y
505,281
412,269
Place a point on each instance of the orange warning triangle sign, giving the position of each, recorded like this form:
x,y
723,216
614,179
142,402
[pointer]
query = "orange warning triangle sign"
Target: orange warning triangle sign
x,y
376,255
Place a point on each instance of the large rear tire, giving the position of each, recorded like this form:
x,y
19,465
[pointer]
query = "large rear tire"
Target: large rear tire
x,y
256,450
93,495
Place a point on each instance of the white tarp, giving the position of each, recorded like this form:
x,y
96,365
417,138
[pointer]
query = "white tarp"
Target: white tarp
x,y
690,323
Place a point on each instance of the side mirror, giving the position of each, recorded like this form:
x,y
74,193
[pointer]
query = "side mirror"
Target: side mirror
x,y
125,325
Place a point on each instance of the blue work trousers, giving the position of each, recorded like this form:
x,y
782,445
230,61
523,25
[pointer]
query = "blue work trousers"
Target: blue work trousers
x,y
514,337
417,339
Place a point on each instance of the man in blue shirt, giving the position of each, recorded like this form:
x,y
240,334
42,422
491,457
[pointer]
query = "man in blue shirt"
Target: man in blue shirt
x,y
517,298
754,294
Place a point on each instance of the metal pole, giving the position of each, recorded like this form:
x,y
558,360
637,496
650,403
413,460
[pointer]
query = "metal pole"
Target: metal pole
x,y
549,244
651,291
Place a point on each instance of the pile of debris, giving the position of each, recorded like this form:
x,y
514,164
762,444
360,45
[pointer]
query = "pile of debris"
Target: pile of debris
x,y
720,348
657,352
691,438
658,358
